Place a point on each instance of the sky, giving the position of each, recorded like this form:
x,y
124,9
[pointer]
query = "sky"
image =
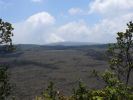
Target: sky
x,y
50,21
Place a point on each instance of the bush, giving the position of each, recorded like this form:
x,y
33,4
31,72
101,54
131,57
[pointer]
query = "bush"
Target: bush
x,y
5,87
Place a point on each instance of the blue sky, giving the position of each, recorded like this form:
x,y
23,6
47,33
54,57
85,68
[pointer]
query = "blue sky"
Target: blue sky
x,y
49,21
22,9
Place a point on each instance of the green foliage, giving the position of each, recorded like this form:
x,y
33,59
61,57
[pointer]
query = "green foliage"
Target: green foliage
x,y
50,92
6,41
6,34
121,54
5,87
117,91
110,78
81,93
111,93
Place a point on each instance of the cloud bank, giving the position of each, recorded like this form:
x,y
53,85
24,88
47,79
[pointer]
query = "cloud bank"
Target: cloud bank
x,y
111,6
35,29
42,28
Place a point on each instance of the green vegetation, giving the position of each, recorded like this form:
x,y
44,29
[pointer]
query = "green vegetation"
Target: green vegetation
x,y
5,87
6,34
114,90
6,42
122,58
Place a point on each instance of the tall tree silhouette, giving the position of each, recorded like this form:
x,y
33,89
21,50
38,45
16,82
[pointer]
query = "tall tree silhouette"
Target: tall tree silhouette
x,y
6,42
122,54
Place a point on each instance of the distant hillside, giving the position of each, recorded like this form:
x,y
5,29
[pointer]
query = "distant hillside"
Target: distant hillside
x,y
59,46
67,43
22,48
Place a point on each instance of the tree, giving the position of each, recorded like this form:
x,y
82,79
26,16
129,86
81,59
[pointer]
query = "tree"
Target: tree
x,y
5,87
6,42
121,54
6,34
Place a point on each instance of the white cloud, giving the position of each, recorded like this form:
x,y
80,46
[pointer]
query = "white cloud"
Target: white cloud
x,y
41,18
74,11
105,31
110,6
41,29
53,38
34,29
37,1
73,31
102,32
